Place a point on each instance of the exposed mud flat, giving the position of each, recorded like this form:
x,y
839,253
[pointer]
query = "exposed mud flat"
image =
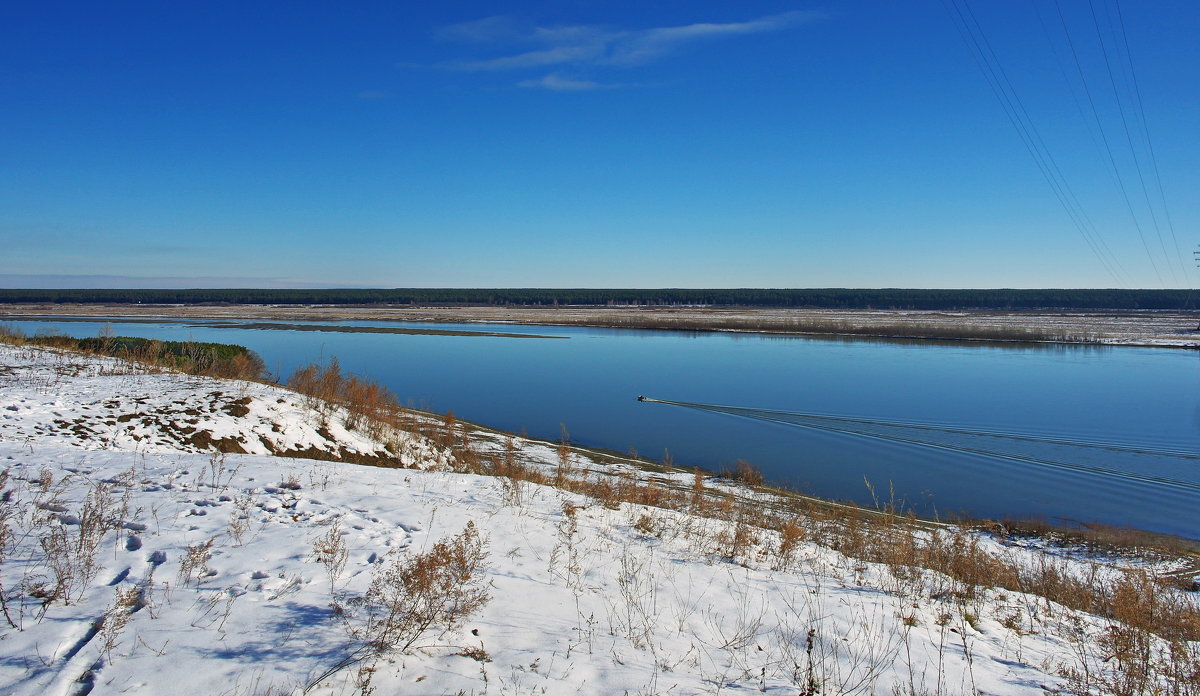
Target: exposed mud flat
x,y
1123,327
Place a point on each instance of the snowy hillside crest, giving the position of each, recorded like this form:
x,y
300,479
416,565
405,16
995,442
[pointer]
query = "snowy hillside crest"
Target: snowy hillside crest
x,y
171,533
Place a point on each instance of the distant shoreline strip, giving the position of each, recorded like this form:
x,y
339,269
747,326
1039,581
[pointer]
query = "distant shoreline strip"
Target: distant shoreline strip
x,y
274,326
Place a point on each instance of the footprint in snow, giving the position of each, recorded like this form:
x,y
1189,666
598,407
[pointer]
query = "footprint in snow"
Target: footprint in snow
x,y
259,575
133,542
157,558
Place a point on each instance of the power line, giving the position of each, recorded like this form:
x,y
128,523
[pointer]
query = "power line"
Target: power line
x,y
1141,110
997,79
1132,151
1112,160
1036,6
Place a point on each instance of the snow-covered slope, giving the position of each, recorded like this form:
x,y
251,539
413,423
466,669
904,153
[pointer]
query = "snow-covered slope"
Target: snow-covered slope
x,y
178,569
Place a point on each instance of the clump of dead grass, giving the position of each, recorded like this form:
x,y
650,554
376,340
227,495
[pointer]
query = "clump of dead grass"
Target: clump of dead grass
x,y
413,598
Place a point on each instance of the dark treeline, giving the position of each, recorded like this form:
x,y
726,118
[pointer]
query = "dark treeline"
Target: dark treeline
x,y
841,298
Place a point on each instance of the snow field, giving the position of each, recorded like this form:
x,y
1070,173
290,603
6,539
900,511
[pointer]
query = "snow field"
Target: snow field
x,y
194,571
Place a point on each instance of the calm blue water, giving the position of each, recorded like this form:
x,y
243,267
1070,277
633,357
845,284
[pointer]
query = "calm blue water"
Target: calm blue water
x,y
1138,397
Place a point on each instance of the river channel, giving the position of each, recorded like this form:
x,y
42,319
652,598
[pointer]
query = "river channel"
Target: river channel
x,y
1063,433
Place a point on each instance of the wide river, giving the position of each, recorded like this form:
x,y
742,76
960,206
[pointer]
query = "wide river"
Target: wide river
x,y
1064,433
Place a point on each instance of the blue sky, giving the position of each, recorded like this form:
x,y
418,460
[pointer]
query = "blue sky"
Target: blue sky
x,y
595,144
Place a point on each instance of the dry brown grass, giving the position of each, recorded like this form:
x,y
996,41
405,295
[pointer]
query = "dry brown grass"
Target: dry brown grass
x,y
1094,536
744,472
414,594
413,598
369,405
906,545
61,564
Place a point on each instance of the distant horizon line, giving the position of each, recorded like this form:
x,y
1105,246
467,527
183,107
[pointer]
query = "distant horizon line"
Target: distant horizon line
x,y
543,288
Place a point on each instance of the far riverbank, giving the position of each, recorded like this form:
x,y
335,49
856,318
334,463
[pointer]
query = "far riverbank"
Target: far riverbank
x,y
1148,328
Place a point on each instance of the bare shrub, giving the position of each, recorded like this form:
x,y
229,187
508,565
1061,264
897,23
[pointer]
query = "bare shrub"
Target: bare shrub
x,y
10,333
513,473
699,496
791,535
449,432
7,511
411,596
737,542
635,615
562,470
566,548
368,404
219,476
70,543
239,519
330,551
845,658
194,563
746,473
647,525
125,602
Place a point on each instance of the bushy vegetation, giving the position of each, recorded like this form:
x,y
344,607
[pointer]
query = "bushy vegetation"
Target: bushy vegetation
x,y
367,403
193,357
839,298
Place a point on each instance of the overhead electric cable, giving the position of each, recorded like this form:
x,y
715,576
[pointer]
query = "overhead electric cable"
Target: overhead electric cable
x,y
997,79
1112,160
1141,110
1036,145
1133,151
1087,122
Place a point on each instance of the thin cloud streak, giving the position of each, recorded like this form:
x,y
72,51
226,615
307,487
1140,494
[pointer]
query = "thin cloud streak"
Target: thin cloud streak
x,y
558,55
480,30
594,45
558,83
649,45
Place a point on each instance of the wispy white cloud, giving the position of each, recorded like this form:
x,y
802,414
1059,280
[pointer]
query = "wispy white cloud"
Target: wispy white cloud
x,y
559,83
557,55
645,46
592,45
